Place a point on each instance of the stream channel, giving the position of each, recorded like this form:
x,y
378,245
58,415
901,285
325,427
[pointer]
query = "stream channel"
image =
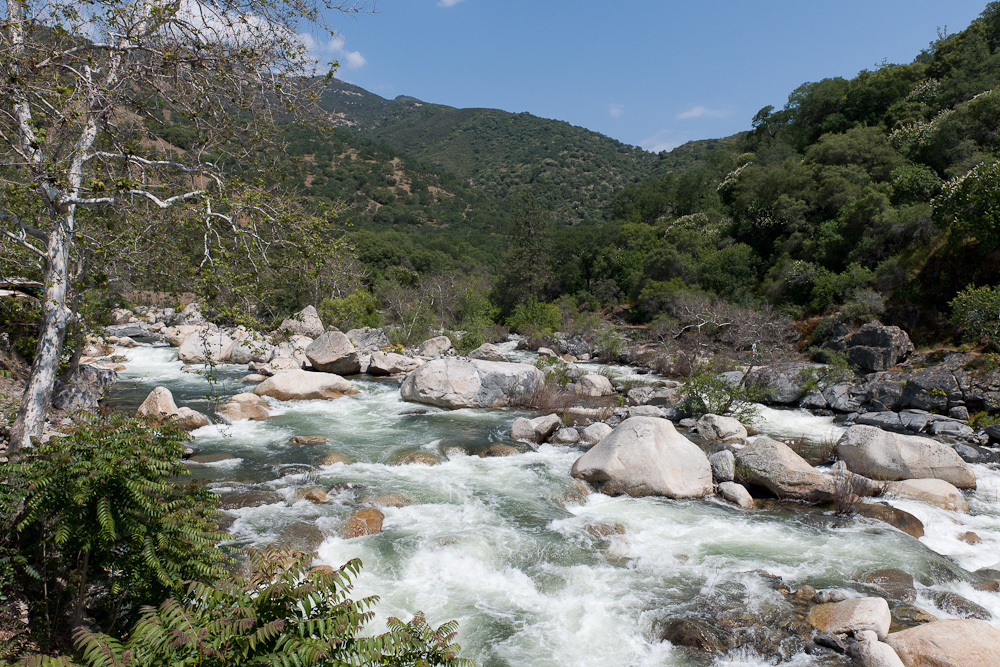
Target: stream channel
x,y
502,544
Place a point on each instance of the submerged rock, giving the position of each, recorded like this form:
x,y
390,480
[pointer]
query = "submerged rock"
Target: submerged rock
x,y
242,407
852,616
646,456
364,522
934,491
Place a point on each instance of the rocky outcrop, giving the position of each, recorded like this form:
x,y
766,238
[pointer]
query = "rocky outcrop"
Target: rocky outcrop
x,y
774,466
646,456
888,456
333,352
948,643
85,389
299,385
852,616
535,430
390,363
457,383
306,322
368,340
874,346
782,385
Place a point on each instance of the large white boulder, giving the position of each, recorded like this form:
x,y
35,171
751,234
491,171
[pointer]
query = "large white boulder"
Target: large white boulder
x,y
204,347
160,406
948,643
646,456
879,454
299,385
306,322
725,429
251,346
774,466
434,347
460,383
390,363
593,385
852,616
488,352
333,352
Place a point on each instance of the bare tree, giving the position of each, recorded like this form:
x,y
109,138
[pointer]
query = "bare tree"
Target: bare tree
x,y
81,86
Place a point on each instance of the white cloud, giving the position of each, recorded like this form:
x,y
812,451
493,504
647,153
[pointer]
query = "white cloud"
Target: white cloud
x,y
616,110
702,112
335,47
664,140
448,3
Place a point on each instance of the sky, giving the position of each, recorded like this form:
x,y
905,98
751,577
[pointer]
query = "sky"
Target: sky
x,y
650,73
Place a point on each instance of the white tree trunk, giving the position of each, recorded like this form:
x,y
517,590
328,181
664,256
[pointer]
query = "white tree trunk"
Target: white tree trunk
x,y
55,316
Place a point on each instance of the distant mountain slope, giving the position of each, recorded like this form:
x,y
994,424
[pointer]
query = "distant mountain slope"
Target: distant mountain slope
x,y
572,171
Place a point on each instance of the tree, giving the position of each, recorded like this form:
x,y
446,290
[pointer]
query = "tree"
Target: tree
x,y
84,86
969,206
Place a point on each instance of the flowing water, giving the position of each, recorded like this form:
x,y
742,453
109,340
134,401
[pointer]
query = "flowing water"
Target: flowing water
x,y
536,572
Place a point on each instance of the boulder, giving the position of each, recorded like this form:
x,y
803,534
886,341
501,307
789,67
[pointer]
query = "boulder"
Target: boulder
x,y
205,347
189,419
948,643
774,466
647,411
299,385
594,433
159,404
893,583
876,347
488,352
565,436
333,352
176,335
434,347
646,456
737,494
252,346
390,363
306,322
888,456
870,652
85,389
934,491
457,383
242,407
723,466
724,429
852,616
783,385
535,430
593,385
368,340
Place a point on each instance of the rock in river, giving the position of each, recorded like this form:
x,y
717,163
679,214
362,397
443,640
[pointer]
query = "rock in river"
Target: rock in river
x,y
299,385
646,456
457,383
892,456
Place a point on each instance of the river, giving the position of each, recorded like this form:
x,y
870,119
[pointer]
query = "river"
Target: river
x,y
535,571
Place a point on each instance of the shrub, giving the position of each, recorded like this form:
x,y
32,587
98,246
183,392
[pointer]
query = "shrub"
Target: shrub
x,y
535,319
101,524
977,311
359,309
707,392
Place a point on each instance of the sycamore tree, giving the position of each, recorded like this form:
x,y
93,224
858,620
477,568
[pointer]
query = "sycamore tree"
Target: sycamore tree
x,y
84,86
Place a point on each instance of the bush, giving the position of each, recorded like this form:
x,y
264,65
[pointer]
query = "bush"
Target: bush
x,y
707,392
100,524
359,309
535,319
977,311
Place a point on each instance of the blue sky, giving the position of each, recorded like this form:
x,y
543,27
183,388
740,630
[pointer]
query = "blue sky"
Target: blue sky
x,y
649,73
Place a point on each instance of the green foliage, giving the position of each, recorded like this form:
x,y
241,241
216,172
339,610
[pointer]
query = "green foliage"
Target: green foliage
x,y
19,320
281,612
708,392
359,309
535,319
977,311
102,509
969,206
